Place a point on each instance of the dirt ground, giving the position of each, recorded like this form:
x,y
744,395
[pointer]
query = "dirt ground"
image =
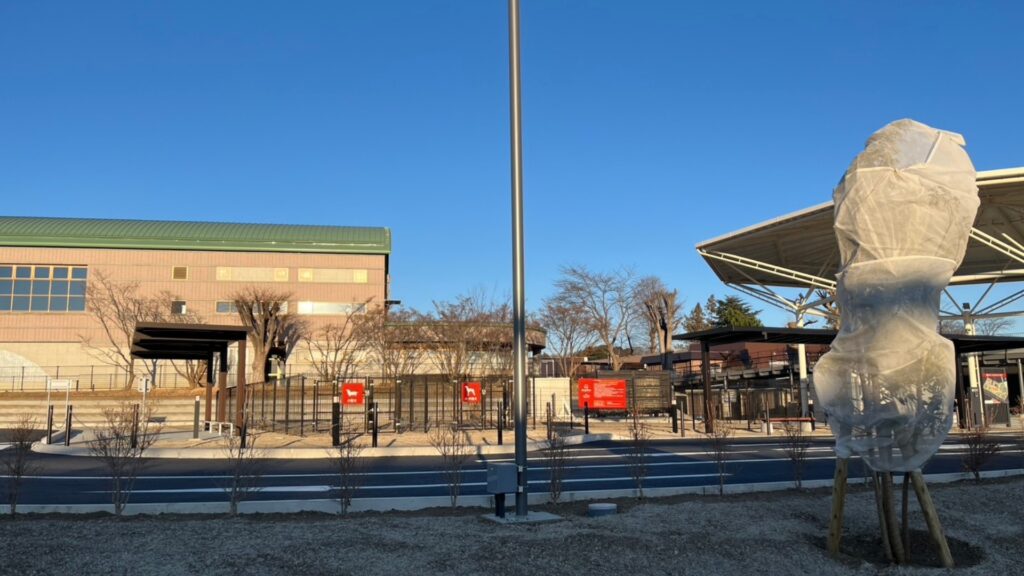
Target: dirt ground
x,y
769,533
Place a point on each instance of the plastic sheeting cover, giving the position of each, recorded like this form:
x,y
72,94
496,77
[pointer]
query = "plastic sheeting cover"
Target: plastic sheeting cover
x,y
903,215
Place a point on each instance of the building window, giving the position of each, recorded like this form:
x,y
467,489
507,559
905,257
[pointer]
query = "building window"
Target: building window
x,y
31,288
179,308
179,273
251,274
334,275
226,308
331,308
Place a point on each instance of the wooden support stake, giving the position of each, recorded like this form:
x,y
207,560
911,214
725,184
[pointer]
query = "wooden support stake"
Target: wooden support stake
x,y
886,544
892,523
835,524
931,517
905,520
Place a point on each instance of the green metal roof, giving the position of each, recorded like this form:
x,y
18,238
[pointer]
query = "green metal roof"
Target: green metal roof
x,y
169,235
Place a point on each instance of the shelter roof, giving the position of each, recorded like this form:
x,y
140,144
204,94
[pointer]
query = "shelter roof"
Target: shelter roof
x,y
164,341
804,241
173,235
730,334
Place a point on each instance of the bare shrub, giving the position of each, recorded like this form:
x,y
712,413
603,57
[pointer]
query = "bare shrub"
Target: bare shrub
x,y
636,457
16,460
350,465
452,446
245,467
119,444
796,442
718,450
557,457
981,447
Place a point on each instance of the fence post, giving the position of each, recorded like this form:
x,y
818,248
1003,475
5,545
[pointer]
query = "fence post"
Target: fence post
x,y
273,407
195,420
675,418
287,405
135,426
586,417
67,427
23,382
49,424
426,404
375,405
501,420
548,406
336,422
302,404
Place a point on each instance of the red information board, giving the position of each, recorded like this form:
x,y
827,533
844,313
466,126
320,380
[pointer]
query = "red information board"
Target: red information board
x,y
602,394
471,393
352,394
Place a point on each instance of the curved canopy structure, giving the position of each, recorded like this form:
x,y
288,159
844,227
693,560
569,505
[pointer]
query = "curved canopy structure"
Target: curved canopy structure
x,y
800,250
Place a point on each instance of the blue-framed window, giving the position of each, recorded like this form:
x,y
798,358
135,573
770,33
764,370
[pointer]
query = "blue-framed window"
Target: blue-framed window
x,y
42,288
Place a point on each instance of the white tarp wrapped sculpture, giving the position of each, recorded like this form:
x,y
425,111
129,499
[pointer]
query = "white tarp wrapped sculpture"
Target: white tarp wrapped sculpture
x,y
903,215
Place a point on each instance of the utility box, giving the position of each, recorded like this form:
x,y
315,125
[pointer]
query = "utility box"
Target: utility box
x,y
501,478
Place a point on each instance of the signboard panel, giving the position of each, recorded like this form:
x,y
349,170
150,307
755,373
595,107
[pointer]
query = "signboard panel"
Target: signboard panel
x,y
471,393
352,394
994,384
602,394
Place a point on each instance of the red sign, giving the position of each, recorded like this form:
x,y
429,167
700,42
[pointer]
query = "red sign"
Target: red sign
x,y
602,394
471,393
352,394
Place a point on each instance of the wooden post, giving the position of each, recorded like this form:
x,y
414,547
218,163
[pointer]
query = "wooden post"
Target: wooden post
x,y
905,520
892,524
835,525
931,517
222,386
240,388
886,543
705,373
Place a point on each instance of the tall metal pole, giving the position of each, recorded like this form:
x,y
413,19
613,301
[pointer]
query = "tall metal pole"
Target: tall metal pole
x,y
518,266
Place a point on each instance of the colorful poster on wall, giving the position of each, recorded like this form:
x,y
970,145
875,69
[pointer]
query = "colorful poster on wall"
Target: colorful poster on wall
x,y
601,394
471,393
352,394
994,384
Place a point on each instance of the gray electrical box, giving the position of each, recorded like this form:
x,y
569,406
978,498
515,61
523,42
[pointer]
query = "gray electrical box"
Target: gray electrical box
x,y
501,478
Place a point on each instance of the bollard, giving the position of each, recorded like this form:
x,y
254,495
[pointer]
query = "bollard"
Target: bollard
x,y
501,421
336,422
682,417
548,407
242,435
675,419
195,420
67,427
49,424
375,424
586,417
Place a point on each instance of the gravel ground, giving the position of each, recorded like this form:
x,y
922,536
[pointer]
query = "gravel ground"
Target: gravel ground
x,y
769,533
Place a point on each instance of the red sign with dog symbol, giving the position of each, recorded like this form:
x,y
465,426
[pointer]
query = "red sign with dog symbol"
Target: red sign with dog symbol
x,y
352,394
471,393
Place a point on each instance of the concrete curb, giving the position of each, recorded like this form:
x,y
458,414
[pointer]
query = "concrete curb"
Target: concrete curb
x,y
329,506
315,453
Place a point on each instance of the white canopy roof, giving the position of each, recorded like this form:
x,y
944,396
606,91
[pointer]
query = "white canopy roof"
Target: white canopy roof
x,y
800,249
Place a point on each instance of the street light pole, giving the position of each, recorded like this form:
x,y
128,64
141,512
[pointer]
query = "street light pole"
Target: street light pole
x,y
518,266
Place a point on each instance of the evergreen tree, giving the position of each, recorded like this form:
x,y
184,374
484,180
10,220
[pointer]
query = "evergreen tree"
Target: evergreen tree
x,y
696,321
732,311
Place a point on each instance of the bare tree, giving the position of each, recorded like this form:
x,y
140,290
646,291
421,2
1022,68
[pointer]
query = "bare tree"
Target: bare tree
x,y
567,332
16,460
245,468
718,450
639,442
985,327
334,350
117,307
795,443
606,300
193,371
263,312
350,467
391,339
452,446
454,334
557,456
119,444
981,447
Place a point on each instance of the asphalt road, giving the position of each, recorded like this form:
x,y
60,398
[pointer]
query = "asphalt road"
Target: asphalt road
x,y
592,467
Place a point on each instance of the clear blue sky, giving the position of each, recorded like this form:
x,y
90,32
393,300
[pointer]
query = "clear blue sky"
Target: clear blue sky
x,y
649,125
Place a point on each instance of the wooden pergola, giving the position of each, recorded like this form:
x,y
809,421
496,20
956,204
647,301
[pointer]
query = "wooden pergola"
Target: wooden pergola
x,y
166,341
